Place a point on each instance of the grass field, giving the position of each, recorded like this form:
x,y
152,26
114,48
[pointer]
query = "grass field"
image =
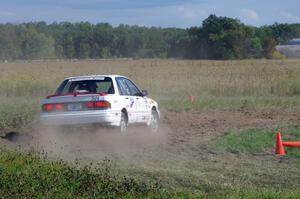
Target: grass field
x,y
216,85
219,146
255,141
28,176
223,79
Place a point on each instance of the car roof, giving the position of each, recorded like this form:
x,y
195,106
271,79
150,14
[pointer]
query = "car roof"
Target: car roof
x,y
92,77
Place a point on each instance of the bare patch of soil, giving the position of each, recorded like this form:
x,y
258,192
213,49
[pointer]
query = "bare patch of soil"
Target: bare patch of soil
x,y
181,150
203,126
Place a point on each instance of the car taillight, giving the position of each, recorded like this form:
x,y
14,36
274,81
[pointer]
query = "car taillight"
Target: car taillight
x,y
59,107
97,105
102,104
53,107
47,107
89,104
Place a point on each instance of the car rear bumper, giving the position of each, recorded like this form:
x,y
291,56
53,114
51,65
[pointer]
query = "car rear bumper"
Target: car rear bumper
x,y
104,117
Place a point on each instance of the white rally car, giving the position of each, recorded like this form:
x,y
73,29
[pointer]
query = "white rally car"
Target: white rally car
x,y
111,100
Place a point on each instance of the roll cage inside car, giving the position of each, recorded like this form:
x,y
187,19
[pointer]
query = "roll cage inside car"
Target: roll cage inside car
x,y
104,85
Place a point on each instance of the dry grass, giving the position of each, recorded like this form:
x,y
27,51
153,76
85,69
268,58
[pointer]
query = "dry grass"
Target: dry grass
x,y
231,85
267,82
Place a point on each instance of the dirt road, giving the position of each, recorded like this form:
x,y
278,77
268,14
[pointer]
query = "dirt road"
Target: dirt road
x,y
180,153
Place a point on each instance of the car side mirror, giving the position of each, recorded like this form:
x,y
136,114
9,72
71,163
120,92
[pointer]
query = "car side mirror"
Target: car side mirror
x,y
144,93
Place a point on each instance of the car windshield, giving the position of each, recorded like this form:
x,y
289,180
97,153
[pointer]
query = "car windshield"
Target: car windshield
x,y
104,85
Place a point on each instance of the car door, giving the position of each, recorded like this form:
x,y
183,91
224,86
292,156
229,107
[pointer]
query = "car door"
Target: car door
x,y
128,100
140,101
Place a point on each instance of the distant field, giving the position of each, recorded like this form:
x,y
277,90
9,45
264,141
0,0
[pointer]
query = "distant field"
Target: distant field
x,y
216,85
219,146
165,79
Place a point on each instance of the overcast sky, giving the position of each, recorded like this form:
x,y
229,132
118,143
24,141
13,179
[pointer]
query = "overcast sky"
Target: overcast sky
x,y
164,13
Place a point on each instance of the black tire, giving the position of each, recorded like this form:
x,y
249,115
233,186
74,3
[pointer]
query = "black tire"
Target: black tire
x,y
154,122
123,123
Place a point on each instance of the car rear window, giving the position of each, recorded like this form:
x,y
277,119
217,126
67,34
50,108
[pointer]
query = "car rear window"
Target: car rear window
x,y
83,85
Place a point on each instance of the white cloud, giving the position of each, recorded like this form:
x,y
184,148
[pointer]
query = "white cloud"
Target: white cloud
x,y
249,15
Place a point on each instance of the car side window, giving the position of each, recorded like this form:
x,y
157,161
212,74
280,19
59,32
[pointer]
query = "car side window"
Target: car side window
x,y
134,91
122,86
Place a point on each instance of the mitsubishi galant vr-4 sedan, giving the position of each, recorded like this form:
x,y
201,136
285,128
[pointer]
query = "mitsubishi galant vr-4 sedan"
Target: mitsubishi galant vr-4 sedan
x,y
110,100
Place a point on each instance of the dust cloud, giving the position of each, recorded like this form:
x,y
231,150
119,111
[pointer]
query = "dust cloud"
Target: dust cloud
x,y
90,143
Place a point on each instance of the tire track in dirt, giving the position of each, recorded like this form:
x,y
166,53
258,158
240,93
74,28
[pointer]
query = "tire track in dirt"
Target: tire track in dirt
x,y
178,128
181,149
206,125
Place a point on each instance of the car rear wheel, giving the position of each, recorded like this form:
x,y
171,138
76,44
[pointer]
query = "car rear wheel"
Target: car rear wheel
x,y
123,123
154,122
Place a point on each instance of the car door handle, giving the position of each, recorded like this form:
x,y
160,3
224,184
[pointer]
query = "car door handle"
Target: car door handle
x,y
137,98
126,97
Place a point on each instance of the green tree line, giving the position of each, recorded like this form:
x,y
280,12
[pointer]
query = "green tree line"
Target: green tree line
x,y
217,38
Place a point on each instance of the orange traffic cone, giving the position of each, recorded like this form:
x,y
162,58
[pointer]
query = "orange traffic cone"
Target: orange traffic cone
x,y
191,99
279,146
